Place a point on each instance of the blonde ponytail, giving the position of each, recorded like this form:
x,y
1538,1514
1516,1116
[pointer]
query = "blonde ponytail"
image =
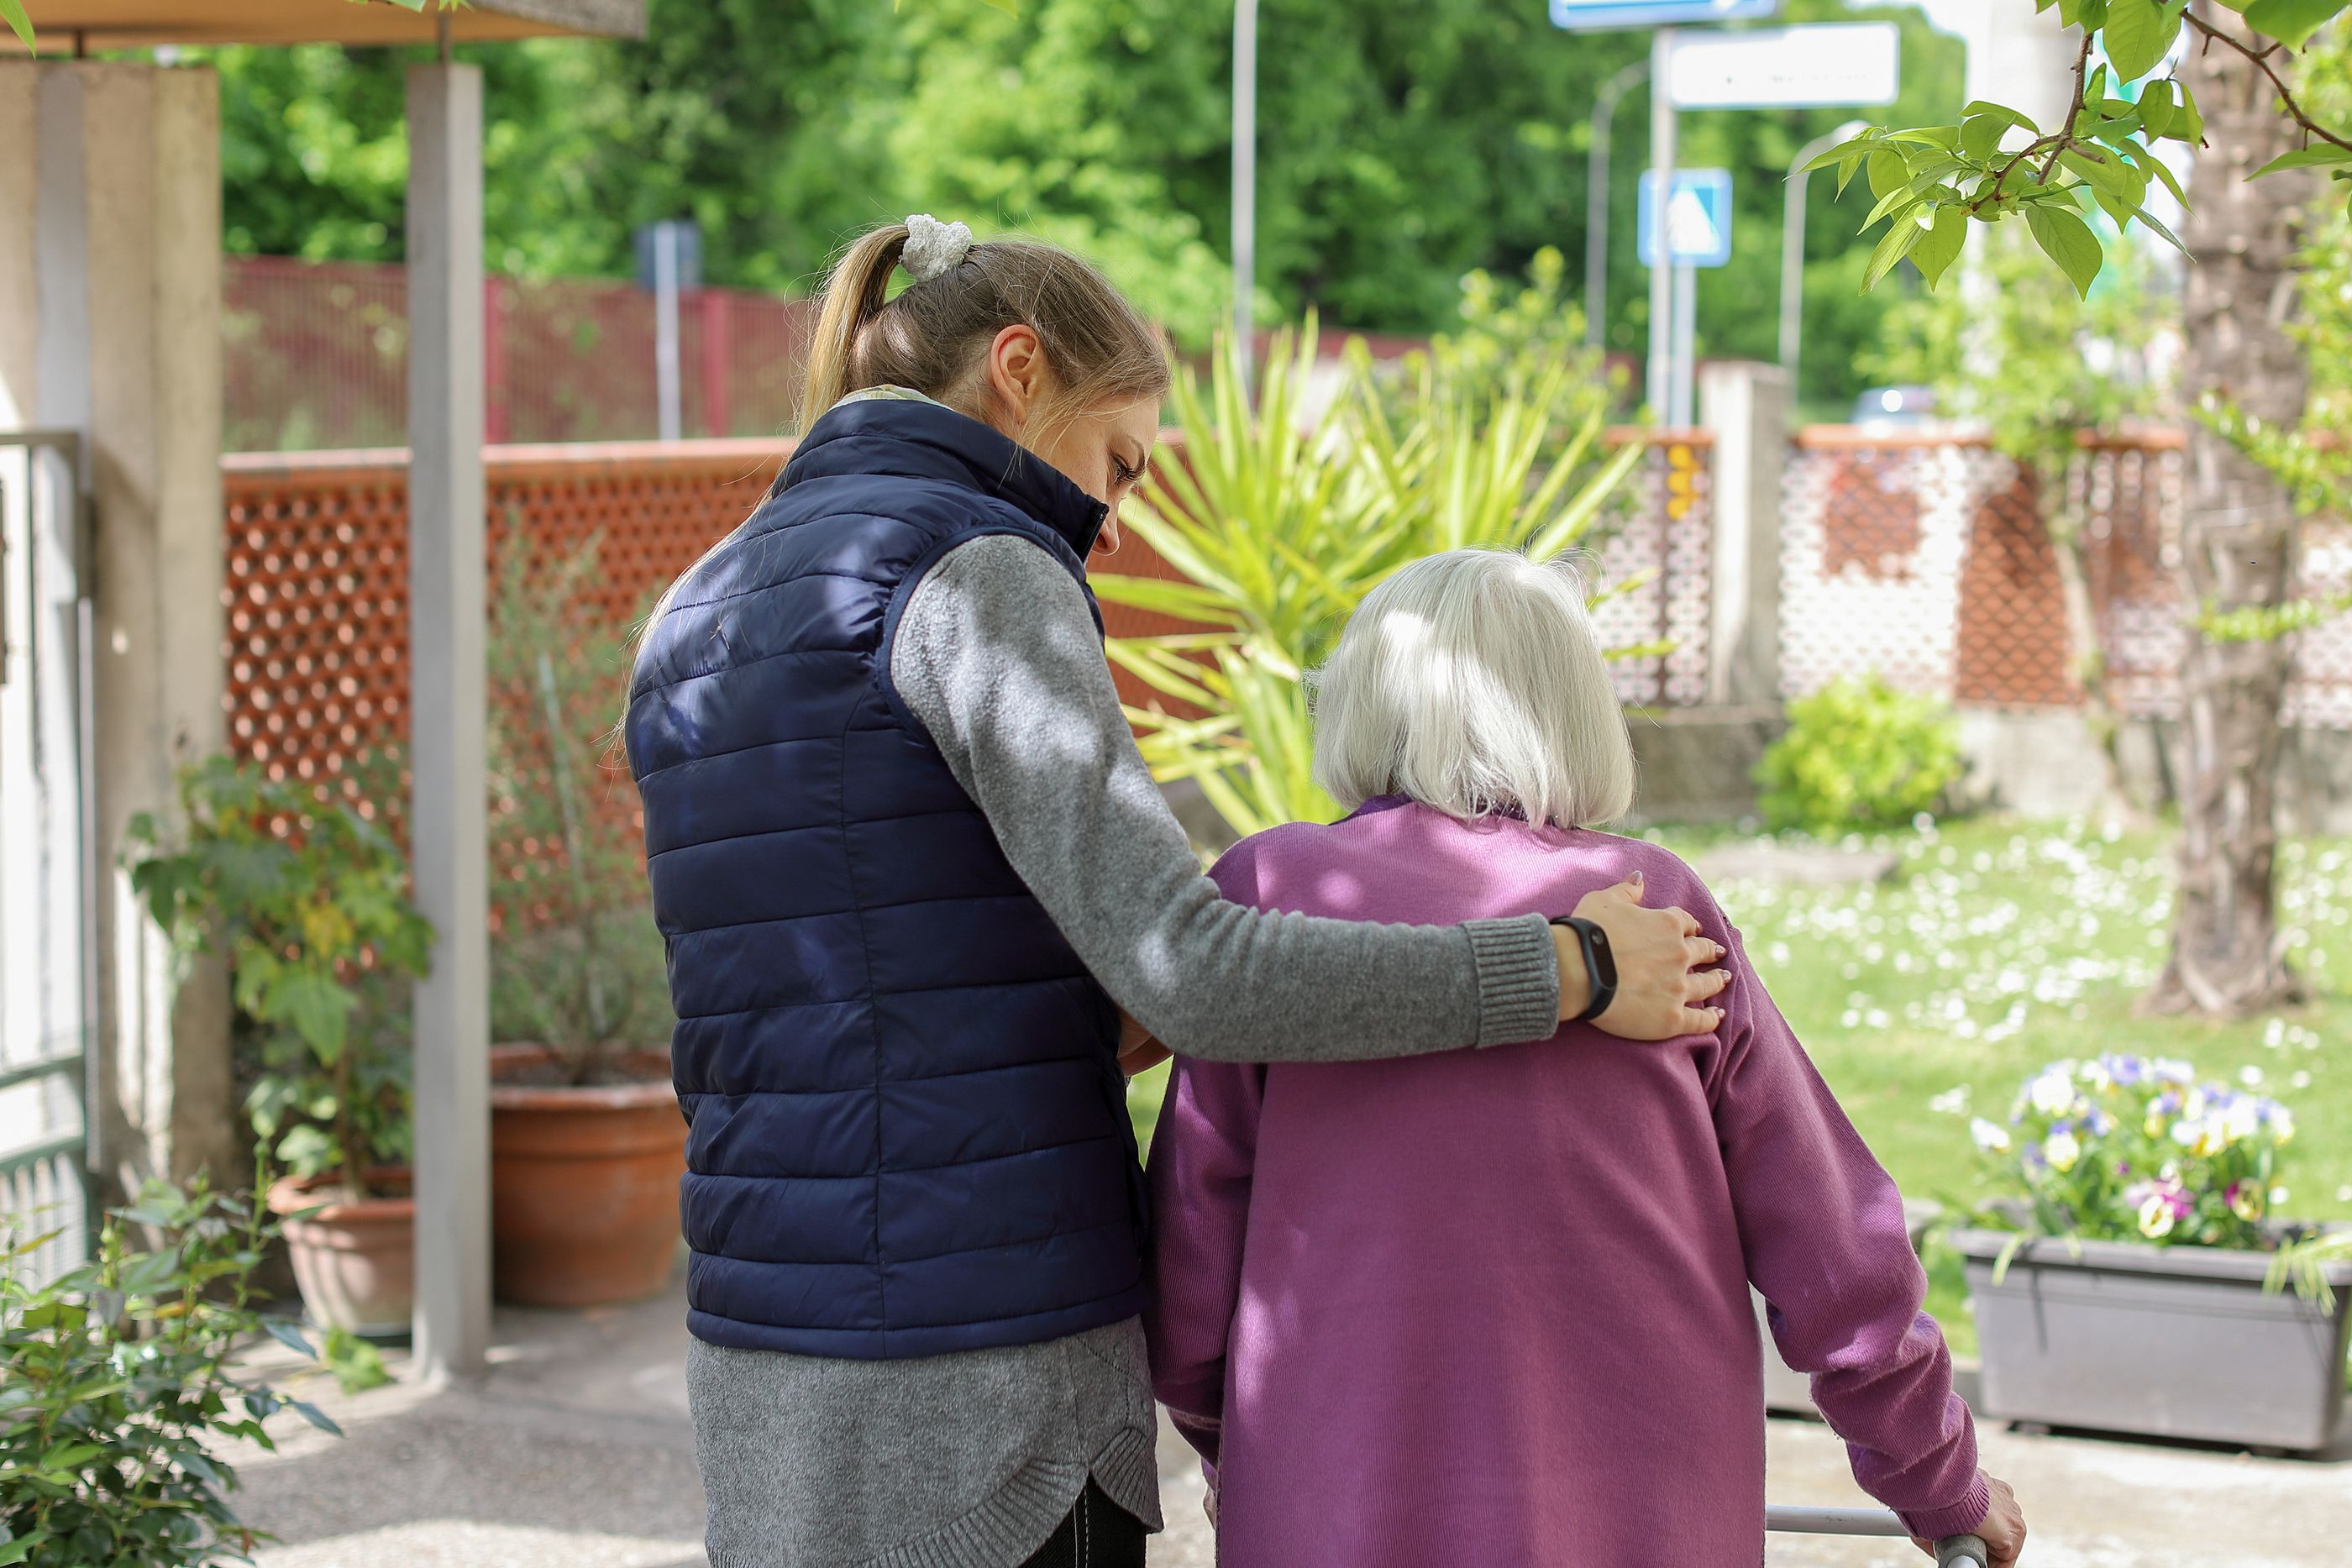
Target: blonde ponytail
x,y
931,336
854,294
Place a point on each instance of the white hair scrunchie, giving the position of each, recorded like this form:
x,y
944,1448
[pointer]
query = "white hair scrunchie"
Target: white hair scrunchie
x,y
933,249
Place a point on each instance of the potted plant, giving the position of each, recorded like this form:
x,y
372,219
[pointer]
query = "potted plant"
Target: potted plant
x,y
587,1145
2128,1280
308,901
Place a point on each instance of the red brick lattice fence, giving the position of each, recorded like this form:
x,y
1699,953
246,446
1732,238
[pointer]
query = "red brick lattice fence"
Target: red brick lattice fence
x,y
316,356
1926,557
1918,557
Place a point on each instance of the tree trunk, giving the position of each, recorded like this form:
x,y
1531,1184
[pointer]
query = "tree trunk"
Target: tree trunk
x,y
2238,541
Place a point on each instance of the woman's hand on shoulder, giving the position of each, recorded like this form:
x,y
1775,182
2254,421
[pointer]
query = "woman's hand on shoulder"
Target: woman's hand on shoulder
x,y
1661,992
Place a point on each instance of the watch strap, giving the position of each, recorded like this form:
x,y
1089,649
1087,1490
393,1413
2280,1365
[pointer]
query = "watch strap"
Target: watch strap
x,y
1599,964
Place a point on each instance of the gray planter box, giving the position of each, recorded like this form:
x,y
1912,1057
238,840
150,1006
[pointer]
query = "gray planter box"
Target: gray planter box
x,y
2168,1342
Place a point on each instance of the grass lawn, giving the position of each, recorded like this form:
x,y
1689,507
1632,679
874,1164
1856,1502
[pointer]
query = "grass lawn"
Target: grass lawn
x,y
2000,946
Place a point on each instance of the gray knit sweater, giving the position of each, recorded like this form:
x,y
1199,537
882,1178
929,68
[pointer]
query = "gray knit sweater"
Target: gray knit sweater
x,y
968,1460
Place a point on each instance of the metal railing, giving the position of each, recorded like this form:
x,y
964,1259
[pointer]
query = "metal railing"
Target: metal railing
x,y
47,866
1788,1518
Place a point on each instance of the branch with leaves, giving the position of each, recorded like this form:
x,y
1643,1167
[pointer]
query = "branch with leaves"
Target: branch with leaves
x,y
1997,162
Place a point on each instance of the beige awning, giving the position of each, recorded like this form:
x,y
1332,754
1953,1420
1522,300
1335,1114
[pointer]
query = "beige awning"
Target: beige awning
x,y
62,25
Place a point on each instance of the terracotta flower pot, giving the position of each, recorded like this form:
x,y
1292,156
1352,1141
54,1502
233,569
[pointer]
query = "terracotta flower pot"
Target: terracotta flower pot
x,y
583,1182
355,1261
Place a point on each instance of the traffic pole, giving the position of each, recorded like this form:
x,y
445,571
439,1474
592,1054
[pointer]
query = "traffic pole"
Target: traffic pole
x,y
1661,268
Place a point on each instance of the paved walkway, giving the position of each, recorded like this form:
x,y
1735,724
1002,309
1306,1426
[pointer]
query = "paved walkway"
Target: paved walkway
x,y
576,1453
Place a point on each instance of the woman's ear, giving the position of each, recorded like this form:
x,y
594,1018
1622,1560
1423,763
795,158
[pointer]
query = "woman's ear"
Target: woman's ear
x,y
1017,373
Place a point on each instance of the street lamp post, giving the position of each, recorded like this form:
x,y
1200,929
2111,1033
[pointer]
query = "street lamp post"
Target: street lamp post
x,y
1244,181
1792,244
1596,197
1662,251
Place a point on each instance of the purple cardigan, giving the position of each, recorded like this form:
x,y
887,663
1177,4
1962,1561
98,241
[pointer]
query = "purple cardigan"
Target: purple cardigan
x,y
1491,1306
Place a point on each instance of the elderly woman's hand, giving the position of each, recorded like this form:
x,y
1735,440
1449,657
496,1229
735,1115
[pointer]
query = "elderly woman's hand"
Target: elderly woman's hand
x,y
2003,1530
1661,991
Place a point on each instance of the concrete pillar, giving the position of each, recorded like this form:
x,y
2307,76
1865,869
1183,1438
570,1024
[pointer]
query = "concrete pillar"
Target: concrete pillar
x,y
109,325
448,812
1746,406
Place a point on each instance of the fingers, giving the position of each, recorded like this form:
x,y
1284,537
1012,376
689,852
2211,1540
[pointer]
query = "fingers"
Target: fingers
x,y
1704,984
1629,891
1685,920
1702,950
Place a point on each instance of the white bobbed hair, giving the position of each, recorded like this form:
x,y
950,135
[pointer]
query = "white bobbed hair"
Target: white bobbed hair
x,y
1473,681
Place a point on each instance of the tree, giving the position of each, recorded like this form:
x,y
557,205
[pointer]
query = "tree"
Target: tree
x,y
2237,549
2233,96
1403,145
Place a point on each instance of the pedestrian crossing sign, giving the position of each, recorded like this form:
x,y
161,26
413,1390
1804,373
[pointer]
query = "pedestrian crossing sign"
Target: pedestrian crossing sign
x,y
1699,219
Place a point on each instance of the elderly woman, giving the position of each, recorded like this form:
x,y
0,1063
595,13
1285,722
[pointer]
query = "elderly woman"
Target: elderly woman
x,y
1422,1312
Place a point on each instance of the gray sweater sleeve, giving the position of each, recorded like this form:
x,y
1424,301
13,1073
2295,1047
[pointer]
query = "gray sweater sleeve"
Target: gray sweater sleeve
x,y
997,657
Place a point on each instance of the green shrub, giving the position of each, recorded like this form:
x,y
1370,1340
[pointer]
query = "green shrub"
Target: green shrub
x,y
309,902
1859,754
119,1399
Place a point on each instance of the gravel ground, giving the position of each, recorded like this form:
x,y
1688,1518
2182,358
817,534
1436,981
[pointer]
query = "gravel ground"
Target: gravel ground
x,y
576,1452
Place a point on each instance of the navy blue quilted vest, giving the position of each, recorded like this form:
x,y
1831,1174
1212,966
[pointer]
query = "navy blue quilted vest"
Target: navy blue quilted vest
x,y
909,1130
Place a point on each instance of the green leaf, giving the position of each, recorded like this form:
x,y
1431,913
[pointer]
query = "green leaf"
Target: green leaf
x,y
2291,21
2067,240
1888,173
23,25
1980,134
307,1150
1935,250
1894,247
2188,123
316,1416
1840,153
1895,202
2303,158
287,1335
2156,105
2008,115
2140,34
315,1005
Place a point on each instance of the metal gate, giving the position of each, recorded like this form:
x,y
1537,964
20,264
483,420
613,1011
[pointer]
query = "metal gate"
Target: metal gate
x,y
46,867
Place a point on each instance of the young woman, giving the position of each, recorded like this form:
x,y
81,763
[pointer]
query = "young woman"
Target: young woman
x,y
910,868
1444,1311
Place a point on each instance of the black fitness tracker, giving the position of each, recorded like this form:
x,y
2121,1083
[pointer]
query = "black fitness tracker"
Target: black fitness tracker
x,y
1599,964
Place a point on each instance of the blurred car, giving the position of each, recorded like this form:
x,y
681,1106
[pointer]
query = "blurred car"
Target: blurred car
x,y
1883,406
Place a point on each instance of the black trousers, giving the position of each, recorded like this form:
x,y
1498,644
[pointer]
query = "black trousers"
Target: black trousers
x,y
1099,1533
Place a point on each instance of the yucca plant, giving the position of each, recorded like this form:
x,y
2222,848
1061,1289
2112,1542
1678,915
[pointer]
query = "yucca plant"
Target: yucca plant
x,y
1283,519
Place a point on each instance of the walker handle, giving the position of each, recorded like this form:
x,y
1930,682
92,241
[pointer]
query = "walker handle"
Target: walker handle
x,y
1955,1549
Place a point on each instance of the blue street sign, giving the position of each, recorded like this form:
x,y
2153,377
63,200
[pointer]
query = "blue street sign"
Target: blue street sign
x,y
1698,220
1591,16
